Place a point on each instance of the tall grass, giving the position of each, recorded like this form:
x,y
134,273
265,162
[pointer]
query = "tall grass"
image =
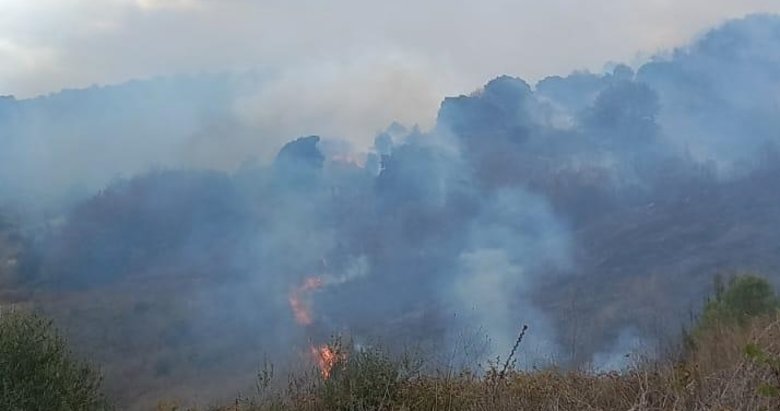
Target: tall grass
x,y
732,367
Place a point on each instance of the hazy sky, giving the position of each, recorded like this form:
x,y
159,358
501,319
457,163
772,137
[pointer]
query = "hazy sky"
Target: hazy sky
x,y
402,54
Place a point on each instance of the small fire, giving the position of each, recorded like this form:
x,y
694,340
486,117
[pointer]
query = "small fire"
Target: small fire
x,y
298,304
326,358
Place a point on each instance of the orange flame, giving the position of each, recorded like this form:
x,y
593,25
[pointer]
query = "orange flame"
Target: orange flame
x,y
326,358
299,306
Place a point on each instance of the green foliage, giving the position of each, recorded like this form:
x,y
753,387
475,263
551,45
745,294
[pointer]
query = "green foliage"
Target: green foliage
x,y
38,372
366,378
769,361
745,297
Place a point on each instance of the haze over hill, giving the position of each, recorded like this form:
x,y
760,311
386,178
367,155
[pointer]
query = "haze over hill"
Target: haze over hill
x,y
593,207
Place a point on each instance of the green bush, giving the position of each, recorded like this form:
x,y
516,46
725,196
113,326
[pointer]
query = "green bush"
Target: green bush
x,y
745,297
368,378
38,372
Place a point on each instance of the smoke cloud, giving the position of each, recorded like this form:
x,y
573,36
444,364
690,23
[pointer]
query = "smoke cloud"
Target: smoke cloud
x,y
484,219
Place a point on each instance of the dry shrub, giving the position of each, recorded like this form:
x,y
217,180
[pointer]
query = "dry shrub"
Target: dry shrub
x,y
732,367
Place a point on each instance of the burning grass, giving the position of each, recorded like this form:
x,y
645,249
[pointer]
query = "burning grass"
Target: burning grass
x,y
726,367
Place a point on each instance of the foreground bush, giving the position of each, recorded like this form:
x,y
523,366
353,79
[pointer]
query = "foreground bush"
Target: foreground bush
x,y
37,372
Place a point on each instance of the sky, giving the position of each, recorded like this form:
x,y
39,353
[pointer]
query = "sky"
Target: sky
x,y
401,57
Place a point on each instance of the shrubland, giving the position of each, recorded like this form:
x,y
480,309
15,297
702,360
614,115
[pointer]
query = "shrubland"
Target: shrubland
x,y
728,360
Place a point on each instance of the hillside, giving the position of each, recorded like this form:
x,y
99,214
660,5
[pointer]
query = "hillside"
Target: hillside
x,y
596,208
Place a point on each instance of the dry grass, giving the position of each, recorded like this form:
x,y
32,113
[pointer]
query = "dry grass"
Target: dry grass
x,y
727,368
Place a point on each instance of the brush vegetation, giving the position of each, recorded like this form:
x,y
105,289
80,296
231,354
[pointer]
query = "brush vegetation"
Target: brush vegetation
x,y
730,360
732,368
38,372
